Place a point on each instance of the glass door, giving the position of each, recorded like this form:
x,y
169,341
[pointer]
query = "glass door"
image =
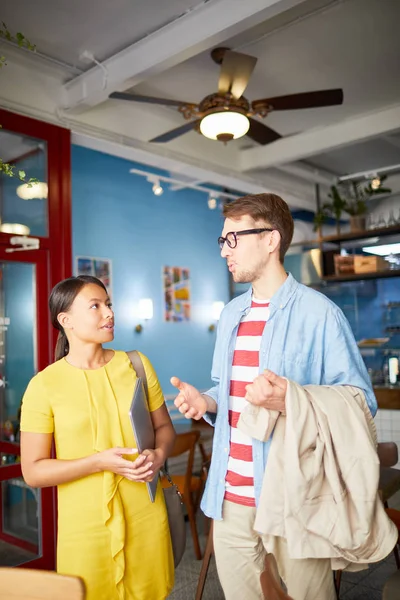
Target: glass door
x,y
26,515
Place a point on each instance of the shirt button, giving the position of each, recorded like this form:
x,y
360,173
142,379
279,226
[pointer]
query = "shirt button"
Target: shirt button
x,y
225,449
281,306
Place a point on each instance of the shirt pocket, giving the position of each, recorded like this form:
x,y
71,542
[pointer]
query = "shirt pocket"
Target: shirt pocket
x,y
299,365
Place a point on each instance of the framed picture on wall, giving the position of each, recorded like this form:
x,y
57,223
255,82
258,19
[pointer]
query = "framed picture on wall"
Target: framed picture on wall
x,y
98,267
176,290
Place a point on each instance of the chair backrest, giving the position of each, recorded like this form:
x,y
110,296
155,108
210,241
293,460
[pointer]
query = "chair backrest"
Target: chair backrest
x,y
388,454
186,442
34,584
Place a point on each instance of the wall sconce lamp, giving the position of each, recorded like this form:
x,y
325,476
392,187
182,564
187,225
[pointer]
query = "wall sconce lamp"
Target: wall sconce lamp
x,y
145,312
217,309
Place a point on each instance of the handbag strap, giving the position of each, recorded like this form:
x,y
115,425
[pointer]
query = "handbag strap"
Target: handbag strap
x,y
138,367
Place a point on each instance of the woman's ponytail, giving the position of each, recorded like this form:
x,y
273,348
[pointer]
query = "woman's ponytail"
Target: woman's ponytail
x,y
62,346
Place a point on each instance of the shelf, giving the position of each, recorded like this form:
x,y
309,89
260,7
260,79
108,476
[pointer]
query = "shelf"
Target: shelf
x,y
362,235
388,397
360,276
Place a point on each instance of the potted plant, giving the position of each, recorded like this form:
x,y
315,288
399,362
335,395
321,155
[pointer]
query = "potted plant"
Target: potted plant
x,y
332,209
351,198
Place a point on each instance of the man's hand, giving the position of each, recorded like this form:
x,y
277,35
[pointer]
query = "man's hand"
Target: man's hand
x,y
268,390
189,401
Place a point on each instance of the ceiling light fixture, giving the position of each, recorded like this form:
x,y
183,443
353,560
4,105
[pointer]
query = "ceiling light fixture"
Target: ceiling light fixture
x,y
157,189
155,180
224,126
15,228
376,182
371,174
383,250
33,191
212,202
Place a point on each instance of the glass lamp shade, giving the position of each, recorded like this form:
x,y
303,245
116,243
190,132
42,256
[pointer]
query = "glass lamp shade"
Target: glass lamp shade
x,y
224,126
37,190
15,228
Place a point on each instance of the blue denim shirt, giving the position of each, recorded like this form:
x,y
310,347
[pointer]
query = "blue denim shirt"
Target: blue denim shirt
x,y
306,339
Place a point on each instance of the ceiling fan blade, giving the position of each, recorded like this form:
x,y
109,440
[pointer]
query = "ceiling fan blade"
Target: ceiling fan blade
x,y
174,133
304,100
149,99
236,70
262,134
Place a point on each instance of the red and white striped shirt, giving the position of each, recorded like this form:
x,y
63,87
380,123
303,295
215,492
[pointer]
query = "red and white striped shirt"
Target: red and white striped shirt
x,y
239,481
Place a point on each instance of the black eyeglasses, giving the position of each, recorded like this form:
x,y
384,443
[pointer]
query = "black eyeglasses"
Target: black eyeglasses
x,y
231,236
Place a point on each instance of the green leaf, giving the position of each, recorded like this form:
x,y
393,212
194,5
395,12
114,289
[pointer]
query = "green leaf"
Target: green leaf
x,y
21,174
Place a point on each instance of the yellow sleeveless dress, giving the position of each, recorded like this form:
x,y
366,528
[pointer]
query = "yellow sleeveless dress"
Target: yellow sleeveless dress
x,y
109,533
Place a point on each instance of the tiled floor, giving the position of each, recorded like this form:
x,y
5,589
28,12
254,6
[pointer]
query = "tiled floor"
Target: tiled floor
x,y
366,585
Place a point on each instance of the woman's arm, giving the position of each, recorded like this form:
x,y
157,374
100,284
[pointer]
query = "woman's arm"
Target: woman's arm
x,y
40,470
164,441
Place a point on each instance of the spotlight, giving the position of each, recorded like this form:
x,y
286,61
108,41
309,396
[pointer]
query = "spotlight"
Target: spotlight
x,y
376,183
157,189
212,202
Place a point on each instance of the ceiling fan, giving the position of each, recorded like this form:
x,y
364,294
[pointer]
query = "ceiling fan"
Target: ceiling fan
x,y
227,114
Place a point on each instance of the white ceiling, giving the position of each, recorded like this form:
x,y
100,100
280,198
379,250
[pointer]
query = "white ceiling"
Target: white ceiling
x,y
63,29
163,49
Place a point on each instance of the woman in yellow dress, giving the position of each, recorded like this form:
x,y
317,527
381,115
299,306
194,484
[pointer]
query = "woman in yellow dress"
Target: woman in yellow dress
x,y
109,532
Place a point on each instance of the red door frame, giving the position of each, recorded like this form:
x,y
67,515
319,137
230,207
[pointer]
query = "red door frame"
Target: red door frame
x,y
47,517
54,262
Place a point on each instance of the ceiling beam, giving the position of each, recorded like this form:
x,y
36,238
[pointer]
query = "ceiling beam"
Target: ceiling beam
x,y
196,31
309,173
174,163
317,141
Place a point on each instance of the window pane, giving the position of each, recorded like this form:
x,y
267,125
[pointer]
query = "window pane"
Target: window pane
x,y
23,209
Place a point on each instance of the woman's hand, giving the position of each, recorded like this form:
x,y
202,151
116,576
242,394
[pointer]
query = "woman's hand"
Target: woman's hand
x,y
111,460
152,463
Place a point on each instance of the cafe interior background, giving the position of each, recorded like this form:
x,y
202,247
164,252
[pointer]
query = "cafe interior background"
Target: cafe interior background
x,y
85,111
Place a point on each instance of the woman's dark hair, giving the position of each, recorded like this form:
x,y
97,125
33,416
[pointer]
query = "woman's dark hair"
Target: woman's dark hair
x,y
61,298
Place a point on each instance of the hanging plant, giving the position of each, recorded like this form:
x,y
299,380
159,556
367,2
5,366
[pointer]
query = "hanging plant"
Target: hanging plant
x,y
22,42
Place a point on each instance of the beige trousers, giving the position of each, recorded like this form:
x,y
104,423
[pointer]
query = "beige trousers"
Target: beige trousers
x,y
240,555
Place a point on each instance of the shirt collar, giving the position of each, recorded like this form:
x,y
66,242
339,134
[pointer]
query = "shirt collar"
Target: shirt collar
x,y
279,300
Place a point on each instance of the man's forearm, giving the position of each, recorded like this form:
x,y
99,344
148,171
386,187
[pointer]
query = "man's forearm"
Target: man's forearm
x,y
212,406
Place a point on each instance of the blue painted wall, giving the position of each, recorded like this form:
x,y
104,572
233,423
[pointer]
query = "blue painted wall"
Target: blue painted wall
x,y
115,215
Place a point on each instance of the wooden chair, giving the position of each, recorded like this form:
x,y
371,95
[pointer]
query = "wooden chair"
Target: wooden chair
x,y
205,564
269,579
394,515
389,480
189,485
34,584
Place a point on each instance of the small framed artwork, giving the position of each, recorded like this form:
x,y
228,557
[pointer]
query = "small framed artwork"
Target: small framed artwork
x,y
97,267
176,284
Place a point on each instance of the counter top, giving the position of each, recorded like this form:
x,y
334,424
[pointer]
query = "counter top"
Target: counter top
x,y
388,397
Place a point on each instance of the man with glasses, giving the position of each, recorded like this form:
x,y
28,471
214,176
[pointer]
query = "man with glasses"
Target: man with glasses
x,y
278,330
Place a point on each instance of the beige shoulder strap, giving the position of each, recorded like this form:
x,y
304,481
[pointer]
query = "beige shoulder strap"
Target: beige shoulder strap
x,y
138,367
